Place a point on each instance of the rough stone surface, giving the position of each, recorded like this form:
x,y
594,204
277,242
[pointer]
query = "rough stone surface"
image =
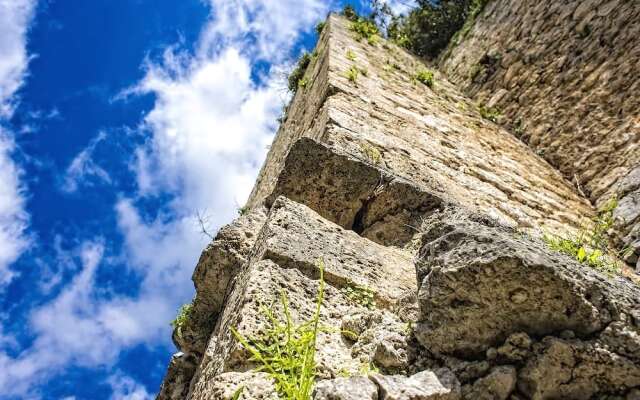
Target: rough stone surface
x,y
252,386
353,388
379,154
426,385
218,264
497,385
176,382
486,290
564,75
481,283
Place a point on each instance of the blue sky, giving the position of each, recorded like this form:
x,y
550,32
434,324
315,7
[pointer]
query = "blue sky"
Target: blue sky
x,y
120,120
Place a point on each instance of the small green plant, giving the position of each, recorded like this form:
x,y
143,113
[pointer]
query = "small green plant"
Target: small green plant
x,y
366,29
302,83
518,129
352,74
243,210
591,245
489,113
425,76
367,368
361,295
183,315
320,27
351,56
298,72
287,350
237,393
373,154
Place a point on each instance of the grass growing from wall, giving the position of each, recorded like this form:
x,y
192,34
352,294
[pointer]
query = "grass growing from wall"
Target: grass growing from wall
x,y
183,315
297,75
286,351
425,77
591,245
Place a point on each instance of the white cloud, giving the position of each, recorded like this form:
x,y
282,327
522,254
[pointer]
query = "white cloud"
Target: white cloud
x,y
125,388
15,16
66,330
401,6
83,170
13,218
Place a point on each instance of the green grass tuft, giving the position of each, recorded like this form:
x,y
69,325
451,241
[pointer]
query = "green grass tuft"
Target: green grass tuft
x,y
425,76
361,295
489,113
352,74
366,29
298,72
183,315
591,245
287,351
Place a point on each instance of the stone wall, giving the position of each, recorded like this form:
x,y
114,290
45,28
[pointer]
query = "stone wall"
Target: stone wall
x,y
395,134
565,76
431,213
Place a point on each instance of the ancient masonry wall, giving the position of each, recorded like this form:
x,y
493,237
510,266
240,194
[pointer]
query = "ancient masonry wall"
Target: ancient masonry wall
x,y
406,192
566,77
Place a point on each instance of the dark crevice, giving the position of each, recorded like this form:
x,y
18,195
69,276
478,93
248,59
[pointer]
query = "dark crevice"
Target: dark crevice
x,y
358,220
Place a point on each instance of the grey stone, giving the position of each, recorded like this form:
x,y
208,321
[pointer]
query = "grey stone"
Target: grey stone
x,y
426,385
481,283
175,385
572,369
353,388
218,265
497,385
252,386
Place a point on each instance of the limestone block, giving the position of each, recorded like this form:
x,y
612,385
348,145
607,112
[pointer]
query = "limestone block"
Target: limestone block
x,y
571,369
353,388
294,236
480,283
252,386
497,385
175,385
426,385
261,284
218,264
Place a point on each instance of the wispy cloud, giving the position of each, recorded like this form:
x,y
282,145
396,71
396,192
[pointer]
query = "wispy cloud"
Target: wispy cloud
x,y
83,170
125,388
15,17
66,330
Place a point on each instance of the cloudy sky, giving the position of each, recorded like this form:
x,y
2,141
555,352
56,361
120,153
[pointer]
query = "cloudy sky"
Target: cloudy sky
x,y
119,121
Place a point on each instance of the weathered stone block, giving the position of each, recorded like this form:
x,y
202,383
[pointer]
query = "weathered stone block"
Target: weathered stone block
x,y
480,282
440,384
218,264
353,388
